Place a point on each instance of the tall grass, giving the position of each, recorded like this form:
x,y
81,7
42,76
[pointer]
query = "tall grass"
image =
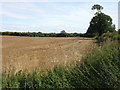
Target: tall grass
x,y
101,68
106,36
98,69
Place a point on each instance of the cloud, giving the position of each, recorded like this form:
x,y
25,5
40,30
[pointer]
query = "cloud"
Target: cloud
x,y
39,28
119,15
53,16
68,14
59,0
22,6
14,15
19,10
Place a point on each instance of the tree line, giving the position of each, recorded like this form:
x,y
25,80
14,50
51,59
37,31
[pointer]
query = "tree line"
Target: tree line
x,y
39,34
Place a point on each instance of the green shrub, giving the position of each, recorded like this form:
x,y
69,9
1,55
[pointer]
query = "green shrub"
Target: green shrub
x,y
101,67
108,36
98,69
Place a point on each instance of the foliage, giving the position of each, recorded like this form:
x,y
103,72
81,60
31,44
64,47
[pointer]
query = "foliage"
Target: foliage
x,y
100,23
39,34
108,36
119,31
99,69
63,31
98,7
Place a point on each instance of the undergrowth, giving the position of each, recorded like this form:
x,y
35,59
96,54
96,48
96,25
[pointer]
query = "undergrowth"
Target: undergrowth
x,y
98,69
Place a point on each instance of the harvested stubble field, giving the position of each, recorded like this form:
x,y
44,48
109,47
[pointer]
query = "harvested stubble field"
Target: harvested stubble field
x,y
42,52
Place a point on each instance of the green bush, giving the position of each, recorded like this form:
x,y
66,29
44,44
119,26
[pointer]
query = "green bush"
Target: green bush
x,y
98,69
101,67
108,36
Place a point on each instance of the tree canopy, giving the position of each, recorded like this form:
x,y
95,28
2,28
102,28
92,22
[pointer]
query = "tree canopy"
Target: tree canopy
x,y
98,7
63,31
100,23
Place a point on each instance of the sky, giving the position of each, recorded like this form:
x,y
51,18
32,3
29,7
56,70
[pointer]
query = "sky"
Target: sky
x,y
119,15
49,17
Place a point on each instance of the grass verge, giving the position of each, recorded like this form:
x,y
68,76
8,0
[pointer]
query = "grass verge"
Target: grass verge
x,y
98,69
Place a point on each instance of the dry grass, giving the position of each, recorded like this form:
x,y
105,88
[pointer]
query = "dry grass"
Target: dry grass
x,y
42,52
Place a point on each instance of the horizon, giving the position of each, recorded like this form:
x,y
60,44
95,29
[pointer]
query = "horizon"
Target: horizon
x,y
52,17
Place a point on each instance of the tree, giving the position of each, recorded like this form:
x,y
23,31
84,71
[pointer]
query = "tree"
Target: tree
x,y
100,23
119,31
98,7
63,31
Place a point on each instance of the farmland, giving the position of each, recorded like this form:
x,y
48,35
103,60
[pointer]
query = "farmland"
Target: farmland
x,y
35,54
30,53
98,68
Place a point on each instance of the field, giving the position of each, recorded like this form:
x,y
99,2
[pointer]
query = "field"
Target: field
x,y
29,53
99,68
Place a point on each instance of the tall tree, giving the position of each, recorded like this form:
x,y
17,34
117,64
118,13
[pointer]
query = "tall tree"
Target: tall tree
x,y
98,7
100,23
